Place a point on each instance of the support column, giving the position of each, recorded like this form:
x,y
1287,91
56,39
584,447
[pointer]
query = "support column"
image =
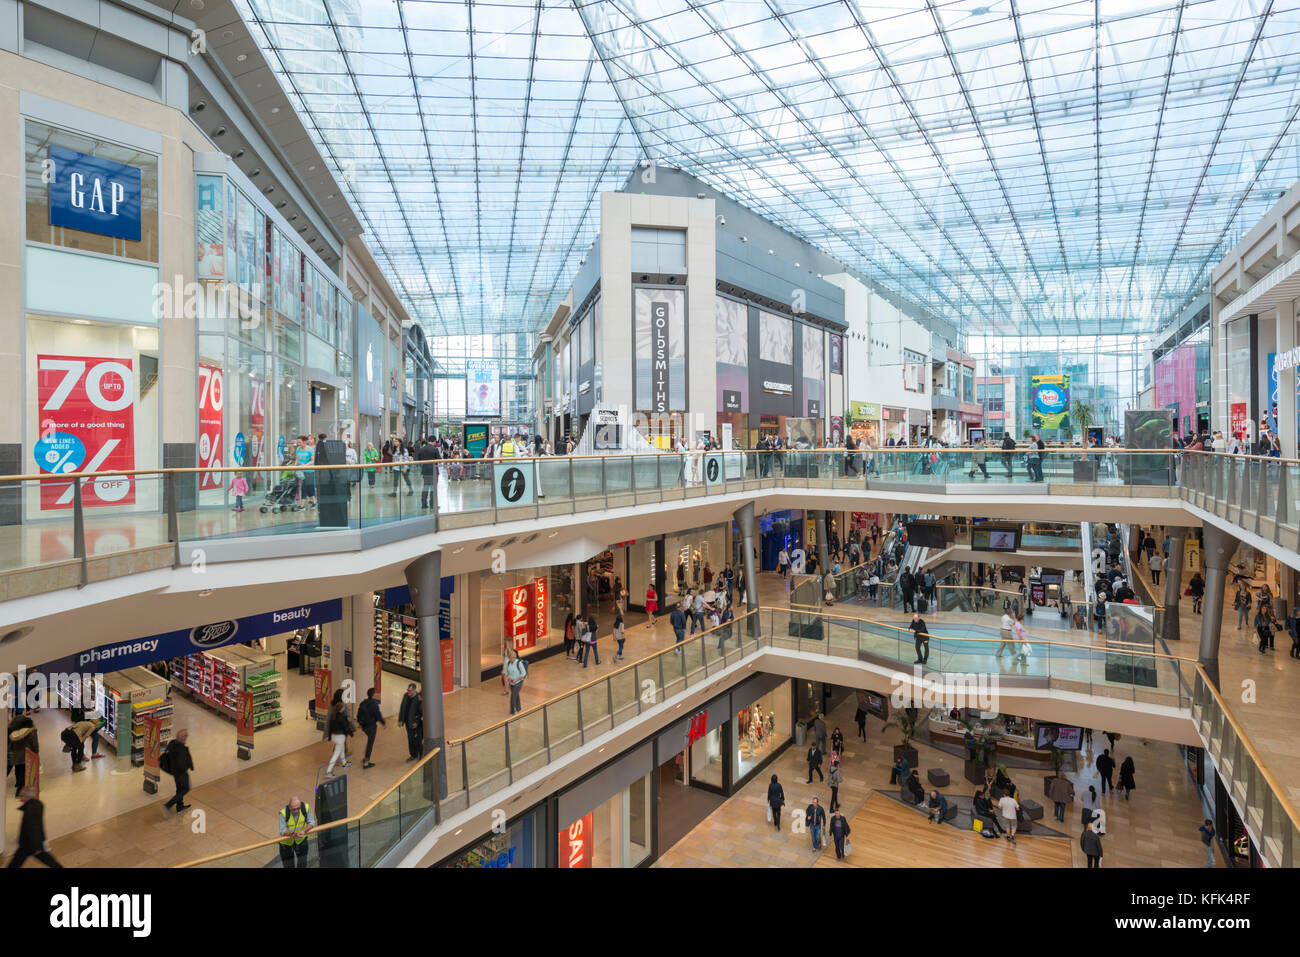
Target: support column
x,y
1286,397
1285,591
5,716
1173,583
1218,547
744,517
424,577
661,574
361,610
823,545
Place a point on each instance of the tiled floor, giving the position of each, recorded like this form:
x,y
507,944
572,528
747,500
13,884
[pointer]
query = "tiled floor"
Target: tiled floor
x,y
1156,828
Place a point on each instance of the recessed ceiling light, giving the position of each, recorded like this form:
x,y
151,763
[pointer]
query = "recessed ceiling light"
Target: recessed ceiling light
x,y
238,153
275,109
227,34
241,58
219,131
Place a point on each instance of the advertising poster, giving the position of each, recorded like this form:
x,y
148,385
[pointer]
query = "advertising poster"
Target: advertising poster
x,y
378,681
837,429
1050,400
324,690
152,752
482,388
211,399
576,844
87,424
244,723
448,666
732,320
32,761
520,620
476,440
837,355
209,229
539,608
1238,419
659,335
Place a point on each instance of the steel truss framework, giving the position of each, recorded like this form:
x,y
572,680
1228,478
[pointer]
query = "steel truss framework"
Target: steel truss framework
x,y
1015,166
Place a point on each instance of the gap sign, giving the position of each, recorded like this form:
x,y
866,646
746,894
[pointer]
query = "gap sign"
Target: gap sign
x,y
94,195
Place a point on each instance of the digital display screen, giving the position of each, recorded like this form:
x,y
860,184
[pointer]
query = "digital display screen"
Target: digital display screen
x,y
995,539
1054,736
482,388
927,535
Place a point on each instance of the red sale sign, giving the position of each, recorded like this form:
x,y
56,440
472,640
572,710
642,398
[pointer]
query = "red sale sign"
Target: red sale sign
x,y
539,609
519,621
87,421
257,421
575,844
211,399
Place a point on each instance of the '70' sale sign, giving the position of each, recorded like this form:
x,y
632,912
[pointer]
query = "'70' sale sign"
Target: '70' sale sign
x,y
87,416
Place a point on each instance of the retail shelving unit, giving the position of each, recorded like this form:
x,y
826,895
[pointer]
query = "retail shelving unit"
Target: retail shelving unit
x,y
215,678
125,699
397,638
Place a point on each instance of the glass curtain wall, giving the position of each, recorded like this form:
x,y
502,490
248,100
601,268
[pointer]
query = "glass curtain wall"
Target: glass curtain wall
x,y
1105,371
515,353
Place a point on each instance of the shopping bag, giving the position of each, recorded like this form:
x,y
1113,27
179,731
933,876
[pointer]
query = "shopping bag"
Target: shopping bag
x,y
769,814
977,825
848,848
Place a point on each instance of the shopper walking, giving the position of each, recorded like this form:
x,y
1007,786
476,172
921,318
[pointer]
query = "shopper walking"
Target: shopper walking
x,y
178,762
1264,627
1060,794
1006,630
410,715
835,779
775,801
296,822
1196,589
860,719
1090,844
369,457
818,729
1106,768
428,456
369,717
31,832
620,635
1242,602
678,620
1206,831
1126,780
1157,564
339,727
651,604
22,737
74,740
815,819
840,831
1008,808
516,672
814,759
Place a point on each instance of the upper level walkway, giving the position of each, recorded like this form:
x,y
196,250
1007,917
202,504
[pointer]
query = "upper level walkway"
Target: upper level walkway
x,y
84,570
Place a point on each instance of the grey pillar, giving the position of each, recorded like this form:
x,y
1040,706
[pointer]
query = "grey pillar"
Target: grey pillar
x,y
745,521
823,544
1173,583
424,577
661,574
1217,549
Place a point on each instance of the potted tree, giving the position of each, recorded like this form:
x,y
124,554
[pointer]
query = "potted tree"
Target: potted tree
x,y
1085,415
906,720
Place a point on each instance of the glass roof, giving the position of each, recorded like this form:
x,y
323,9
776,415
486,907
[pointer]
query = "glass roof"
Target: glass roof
x,y
1040,165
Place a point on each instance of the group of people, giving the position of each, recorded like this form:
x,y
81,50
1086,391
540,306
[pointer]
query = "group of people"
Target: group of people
x,y
815,816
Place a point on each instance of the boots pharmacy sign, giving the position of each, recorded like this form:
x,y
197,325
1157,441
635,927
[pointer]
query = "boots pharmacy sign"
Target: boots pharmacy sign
x,y
211,399
94,195
87,424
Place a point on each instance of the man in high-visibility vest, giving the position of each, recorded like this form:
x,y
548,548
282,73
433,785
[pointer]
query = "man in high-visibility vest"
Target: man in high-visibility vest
x,y
296,821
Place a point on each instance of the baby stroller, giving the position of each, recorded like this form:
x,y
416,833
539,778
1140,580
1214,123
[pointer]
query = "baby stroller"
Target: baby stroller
x,y
282,495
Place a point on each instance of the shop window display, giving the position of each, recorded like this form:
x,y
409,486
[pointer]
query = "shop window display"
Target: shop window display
x,y
761,729
706,760
92,405
621,828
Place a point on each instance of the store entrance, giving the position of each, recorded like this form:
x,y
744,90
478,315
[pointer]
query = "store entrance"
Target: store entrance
x,y
681,806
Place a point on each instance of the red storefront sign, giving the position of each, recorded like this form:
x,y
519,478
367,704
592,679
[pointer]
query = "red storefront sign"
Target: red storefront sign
x,y
576,844
32,760
257,423
152,750
696,730
539,609
212,387
244,718
1239,419
379,676
324,690
520,621
87,424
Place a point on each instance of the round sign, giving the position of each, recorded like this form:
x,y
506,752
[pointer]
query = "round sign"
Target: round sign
x,y
513,484
59,452
1049,400
205,447
711,470
237,453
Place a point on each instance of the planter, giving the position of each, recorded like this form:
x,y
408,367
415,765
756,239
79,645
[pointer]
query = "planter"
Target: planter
x,y
1085,471
906,751
973,771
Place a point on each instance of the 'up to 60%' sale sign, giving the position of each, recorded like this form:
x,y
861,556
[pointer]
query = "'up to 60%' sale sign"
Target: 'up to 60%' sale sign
x,y
87,416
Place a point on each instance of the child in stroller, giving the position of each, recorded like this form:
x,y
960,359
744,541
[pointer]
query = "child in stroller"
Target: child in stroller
x,y
283,495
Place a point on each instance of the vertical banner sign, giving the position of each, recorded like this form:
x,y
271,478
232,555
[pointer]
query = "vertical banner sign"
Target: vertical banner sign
x,y
211,398
324,690
1050,401
659,400
575,844
244,723
379,676
87,424
152,752
539,609
1237,413
519,616
256,421
448,666
32,760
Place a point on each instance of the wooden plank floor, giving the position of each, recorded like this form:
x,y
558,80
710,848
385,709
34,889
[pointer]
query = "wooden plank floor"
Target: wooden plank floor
x,y
886,834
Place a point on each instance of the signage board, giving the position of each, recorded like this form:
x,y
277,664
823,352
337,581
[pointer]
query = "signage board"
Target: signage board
x,y
94,195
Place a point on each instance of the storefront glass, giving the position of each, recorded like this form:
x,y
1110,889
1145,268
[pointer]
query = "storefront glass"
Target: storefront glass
x,y
694,557
706,759
493,589
761,729
621,827
521,844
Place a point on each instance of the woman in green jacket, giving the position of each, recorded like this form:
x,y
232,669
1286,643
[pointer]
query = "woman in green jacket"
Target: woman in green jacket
x,y
369,457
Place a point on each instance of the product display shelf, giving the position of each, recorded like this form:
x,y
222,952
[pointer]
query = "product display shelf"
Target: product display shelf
x,y
397,637
263,681
124,699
